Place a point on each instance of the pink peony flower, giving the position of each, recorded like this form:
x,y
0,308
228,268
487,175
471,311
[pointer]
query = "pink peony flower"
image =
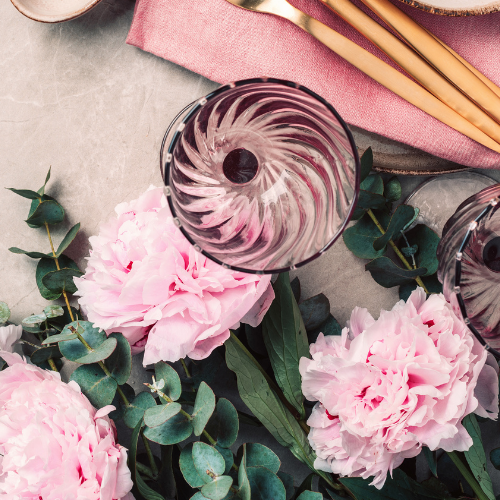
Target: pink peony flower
x,y
386,388
145,280
53,444
9,335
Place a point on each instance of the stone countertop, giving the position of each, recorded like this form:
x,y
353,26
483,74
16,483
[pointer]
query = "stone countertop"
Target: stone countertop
x,y
76,98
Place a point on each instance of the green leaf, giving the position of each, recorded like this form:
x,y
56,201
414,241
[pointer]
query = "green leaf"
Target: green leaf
x,y
218,488
373,184
287,481
35,319
95,384
33,255
45,266
198,496
427,241
399,487
476,457
431,283
330,327
367,200
53,339
132,456
74,349
255,392
392,189
314,311
243,482
205,370
47,212
387,274
173,431
34,205
310,495
366,164
159,414
305,485
134,412
172,387
188,470
295,286
360,237
431,459
120,362
495,458
228,423
26,193
208,462
258,454
146,492
286,341
53,311
204,406
44,354
41,191
264,484
401,217
228,457
118,403
103,351
70,236
4,313
61,280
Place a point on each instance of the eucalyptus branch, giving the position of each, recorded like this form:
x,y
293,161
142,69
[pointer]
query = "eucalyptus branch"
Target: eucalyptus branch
x,y
397,251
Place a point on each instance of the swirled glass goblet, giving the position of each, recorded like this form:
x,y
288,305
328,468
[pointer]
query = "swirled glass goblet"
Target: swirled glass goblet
x,y
469,265
261,175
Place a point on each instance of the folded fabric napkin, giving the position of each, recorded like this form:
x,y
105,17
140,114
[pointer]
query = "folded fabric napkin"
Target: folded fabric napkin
x,y
225,43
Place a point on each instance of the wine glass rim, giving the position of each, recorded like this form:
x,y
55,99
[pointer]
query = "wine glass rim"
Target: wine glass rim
x,y
165,166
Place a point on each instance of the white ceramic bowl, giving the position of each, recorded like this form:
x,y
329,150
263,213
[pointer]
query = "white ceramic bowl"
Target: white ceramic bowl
x,y
53,11
456,7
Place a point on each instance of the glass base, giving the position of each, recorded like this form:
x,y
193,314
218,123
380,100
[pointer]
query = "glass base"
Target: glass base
x,y
439,197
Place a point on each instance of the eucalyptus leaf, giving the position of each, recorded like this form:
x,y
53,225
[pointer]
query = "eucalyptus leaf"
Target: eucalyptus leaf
x,y
431,459
314,311
305,485
146,492
41,191
495,458
62,337
33,255
198,496
74,350
134,412
255,392
373,184
45,266
367,200
44,354
61,280
228,423
366,164
34,206
34,319
208,462
47,212
399,220
170,377
476,457
310,495
287,481
330,327
119,404
53,311
228,457
70,236
392,189
431,283
26,193
95,384
173,431
159,414
427,241
205,370
188,469
204,406
295,286
264,484
244,490
286,341
120,362
218,488
258,454
387,274
4,313
103,351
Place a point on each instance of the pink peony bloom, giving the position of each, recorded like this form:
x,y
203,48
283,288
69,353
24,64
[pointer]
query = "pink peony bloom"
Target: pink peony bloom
x,y
53,444
9,335
145,280
386,388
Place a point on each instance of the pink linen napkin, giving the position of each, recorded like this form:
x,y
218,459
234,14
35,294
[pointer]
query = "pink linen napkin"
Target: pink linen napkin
x,y
225,43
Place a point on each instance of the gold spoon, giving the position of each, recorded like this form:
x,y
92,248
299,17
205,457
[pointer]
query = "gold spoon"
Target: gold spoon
x,y
372,66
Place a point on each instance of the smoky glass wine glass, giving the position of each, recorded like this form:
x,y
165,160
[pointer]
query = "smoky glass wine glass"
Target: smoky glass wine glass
x,y
260,175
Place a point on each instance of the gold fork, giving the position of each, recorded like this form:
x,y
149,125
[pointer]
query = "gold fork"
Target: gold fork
x,y
482,126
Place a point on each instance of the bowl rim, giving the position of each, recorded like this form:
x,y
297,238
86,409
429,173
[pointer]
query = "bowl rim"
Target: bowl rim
x,y
195,106
431,9
53,18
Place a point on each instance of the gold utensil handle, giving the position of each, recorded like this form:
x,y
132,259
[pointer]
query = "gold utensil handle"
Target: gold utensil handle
x,y
437,55
390,78
414,65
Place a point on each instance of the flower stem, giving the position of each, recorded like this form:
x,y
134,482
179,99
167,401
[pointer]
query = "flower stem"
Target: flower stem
x,y
149,453
272,384
397,251
481,495
186,370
